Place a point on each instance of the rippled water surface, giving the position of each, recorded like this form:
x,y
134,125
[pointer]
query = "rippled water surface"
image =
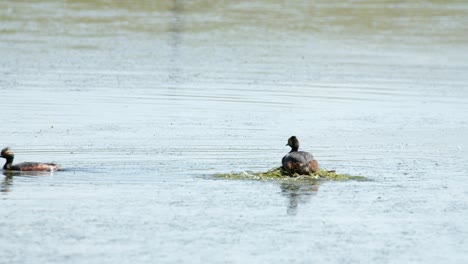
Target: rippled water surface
x,y
143,102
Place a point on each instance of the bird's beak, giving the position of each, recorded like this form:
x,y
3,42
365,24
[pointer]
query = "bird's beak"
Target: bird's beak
x,y
286,144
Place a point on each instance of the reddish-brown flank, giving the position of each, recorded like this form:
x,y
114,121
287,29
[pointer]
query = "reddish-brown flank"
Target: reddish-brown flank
x,y
41,167
296,167
313,166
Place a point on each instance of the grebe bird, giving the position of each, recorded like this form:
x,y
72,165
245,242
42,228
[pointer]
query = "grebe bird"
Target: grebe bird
x,y
25,166
300,162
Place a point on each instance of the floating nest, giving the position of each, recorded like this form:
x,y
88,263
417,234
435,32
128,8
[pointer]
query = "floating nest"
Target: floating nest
x,y
281,174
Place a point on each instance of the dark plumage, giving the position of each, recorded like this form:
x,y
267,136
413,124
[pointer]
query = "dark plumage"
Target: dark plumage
x,y
300,162
25,166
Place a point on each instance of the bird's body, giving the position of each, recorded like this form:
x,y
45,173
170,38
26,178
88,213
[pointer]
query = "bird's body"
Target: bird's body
x,y
298,156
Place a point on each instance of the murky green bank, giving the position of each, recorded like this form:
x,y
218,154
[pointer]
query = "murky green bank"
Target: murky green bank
x,y
144,103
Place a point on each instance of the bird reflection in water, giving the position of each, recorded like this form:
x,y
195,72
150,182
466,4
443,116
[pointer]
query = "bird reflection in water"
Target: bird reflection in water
x,y
7,182
298,193
176,30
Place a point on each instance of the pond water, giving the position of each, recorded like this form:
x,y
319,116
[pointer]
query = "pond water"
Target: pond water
x,y
143,103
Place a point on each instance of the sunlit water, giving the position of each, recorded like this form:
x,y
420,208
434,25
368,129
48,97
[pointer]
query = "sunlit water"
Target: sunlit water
x,y
142,103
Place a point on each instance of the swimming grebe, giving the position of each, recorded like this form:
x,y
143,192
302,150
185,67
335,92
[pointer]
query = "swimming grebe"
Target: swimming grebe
x,y
300,162
25,166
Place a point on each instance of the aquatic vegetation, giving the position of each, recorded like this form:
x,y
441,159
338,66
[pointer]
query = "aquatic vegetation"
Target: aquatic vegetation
x,y
281,174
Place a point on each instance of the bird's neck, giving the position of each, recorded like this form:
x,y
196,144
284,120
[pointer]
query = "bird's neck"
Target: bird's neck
x,y
8,163
294,148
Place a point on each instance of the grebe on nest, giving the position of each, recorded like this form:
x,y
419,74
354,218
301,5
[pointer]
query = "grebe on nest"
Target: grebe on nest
x,y
300,162
25,166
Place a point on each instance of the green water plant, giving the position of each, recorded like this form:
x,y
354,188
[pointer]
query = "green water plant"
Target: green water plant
x,y
281,174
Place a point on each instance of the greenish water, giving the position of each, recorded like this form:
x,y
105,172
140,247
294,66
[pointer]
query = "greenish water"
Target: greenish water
x,y
144,103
